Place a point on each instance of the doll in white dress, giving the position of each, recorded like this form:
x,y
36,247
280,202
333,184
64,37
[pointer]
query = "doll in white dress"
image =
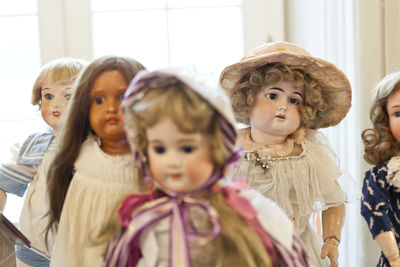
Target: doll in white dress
x,y
284,95
183,135
26,172
92,169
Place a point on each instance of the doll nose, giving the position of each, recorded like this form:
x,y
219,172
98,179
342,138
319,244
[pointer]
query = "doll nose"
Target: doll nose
x,y
173,160
57,105
282,105
112,106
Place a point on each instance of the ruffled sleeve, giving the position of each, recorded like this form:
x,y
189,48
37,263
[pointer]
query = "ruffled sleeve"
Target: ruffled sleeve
x,y
327,163
299,183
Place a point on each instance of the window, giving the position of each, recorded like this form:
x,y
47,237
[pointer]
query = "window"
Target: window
x,y
19,51
204,35
201,35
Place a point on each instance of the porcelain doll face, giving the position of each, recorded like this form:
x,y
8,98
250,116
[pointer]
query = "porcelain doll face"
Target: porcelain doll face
x,y
275,113
393,110
181,162
105,111
54,100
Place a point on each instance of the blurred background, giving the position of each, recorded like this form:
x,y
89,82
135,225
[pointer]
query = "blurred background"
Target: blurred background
x,y
361,37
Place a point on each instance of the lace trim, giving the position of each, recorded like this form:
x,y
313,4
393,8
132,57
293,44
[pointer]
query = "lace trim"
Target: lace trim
x,y
281,150
393,174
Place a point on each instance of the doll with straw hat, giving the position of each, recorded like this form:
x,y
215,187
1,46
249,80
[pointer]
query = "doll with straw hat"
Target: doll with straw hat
x,y
285,95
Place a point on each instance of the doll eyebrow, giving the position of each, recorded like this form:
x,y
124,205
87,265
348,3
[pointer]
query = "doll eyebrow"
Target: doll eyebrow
x,y
280,89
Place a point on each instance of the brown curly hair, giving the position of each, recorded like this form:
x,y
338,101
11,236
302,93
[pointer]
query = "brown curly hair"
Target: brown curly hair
x,y
379,143
315,102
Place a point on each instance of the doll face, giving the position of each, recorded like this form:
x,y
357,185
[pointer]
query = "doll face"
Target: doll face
x,y
393,110
54,100
179,161
275,113
105,111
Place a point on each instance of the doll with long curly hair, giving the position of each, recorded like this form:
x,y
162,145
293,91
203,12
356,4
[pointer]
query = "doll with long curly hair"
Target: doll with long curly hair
x,y
92,169
284,95
380,194
183,135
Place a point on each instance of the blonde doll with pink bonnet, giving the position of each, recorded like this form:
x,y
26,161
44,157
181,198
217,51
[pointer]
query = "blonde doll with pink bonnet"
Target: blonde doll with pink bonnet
x,y
285,95
183,135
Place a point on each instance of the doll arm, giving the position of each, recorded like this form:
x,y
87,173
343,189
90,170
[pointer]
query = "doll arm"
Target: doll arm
x,y
15,177
388,244
332,223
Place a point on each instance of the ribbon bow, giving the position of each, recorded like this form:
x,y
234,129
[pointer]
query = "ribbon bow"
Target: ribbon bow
x,y
182,230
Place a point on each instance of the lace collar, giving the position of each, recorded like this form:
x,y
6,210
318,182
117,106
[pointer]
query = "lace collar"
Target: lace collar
x,y
281,150
393,175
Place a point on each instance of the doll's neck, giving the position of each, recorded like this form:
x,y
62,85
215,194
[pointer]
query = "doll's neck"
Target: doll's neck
x,y
118,147
266,139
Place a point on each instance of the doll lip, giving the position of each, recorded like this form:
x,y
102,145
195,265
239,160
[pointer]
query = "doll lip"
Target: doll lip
x,y
112,120
281,116
56,114
175,176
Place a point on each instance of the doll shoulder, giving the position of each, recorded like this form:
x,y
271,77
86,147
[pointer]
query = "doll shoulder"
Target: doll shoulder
x,y
385,174
33,148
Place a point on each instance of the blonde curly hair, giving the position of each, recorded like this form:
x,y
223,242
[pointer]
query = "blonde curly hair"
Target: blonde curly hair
x,y
238,243
315,102
379,143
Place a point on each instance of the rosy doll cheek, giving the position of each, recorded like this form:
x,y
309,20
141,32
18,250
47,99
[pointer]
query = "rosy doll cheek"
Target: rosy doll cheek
x,y
395,128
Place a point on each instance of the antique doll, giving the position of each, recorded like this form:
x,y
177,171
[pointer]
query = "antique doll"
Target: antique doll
x,y
381,189
51,92
92,168
284,95
183,135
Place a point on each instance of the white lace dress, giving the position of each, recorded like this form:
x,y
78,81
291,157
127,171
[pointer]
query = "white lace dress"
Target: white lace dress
x,y
302,181
100,182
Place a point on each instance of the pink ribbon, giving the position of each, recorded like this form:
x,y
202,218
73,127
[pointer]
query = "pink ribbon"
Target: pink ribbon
x,y
124,251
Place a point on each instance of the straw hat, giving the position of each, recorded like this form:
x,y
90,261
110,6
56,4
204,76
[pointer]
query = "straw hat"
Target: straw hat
x,y
332,80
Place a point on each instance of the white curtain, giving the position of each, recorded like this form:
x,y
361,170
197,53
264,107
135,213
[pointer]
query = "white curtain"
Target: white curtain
x,y
327,29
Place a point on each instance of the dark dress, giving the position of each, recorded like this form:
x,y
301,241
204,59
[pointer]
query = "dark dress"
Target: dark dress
x,y
380,205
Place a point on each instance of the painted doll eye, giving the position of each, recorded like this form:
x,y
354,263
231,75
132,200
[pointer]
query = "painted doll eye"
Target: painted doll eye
x,y
98,100
48,96
68,96
271,96
188,149
159,149
293,100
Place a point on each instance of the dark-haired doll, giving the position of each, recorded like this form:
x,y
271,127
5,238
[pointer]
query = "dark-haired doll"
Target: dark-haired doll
x,y
92,169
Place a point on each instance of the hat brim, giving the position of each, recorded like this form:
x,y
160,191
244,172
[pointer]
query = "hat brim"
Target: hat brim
x,y
332,80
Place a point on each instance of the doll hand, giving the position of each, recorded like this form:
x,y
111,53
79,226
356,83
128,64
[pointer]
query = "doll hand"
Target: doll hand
x,y
394,260
330,249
